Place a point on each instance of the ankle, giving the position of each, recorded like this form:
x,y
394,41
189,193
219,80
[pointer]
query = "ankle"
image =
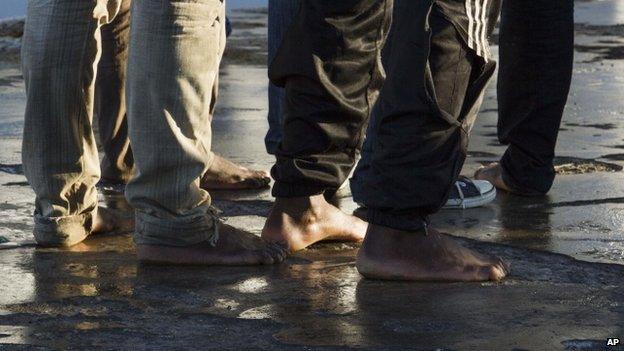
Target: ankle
x,y
299,207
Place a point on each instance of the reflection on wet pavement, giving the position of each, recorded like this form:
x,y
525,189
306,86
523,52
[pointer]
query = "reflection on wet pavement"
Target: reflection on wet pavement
x,y
583,217
96,296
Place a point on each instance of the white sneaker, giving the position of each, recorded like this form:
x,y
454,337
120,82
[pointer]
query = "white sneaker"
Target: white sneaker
x,y
469,193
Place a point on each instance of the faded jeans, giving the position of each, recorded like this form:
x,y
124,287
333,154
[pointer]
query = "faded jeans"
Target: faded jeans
x,y
172,82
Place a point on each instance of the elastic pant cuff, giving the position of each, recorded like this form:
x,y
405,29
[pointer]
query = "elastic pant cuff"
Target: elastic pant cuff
x,y
178,231
281,189
410,222
63,231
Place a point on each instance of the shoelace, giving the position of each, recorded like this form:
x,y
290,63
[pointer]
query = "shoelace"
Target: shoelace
x,y
459,185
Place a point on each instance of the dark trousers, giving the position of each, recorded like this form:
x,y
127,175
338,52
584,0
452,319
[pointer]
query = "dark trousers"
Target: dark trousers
x,y
329,63
535,70
536,59
110,96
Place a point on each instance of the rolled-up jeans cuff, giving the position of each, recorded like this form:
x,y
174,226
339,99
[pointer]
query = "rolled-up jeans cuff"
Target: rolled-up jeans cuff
x,y
281,189
63,231
179,231
410,222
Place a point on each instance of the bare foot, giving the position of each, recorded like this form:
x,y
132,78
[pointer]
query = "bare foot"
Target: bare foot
x,y
104,221
493,173
399,255
303,221
226,175
107,221
233,248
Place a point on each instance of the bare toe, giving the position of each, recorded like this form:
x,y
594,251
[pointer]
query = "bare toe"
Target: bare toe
x,y
224,174
493,173
279,252
497,272
494,272
265,257
504,265
108,220
394,254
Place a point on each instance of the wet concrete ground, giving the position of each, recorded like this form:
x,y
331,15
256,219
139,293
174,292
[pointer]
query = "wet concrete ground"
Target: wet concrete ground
x,y
566,249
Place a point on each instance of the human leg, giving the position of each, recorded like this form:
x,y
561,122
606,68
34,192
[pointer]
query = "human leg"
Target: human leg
x,y
175,51
536,60
420,149
61,47
118,162
281,15
331,82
